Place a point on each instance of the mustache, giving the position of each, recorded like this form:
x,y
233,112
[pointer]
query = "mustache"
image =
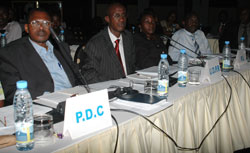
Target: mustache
x,y
41,33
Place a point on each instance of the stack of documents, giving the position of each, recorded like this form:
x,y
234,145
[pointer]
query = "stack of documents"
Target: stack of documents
x,y
53,99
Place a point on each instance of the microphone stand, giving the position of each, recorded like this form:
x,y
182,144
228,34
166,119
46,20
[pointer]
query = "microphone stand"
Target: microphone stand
x,y
73,68
198,55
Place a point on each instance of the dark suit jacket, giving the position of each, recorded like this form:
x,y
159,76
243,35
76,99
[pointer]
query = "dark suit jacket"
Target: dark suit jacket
x,y
20,61
230,33
99,61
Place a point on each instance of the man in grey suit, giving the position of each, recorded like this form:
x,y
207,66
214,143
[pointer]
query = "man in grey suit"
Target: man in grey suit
x,y
36,60
106,58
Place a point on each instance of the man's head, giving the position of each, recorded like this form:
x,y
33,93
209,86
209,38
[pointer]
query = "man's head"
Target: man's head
x,y
191,22
171,17
245,16
56,21
4,16
38,26
223,16
116,18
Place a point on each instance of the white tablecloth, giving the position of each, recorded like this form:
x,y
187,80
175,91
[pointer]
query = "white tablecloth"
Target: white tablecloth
x,y
193,113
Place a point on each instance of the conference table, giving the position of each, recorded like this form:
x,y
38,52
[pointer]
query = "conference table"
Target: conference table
x,y
187,117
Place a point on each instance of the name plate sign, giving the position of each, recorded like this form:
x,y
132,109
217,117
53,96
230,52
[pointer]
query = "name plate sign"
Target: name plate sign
x,y
240,59
211,71
87,113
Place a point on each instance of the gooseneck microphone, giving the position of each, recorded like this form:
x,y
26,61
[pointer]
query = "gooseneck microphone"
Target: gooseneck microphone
x,y
70,63
198,54
167,37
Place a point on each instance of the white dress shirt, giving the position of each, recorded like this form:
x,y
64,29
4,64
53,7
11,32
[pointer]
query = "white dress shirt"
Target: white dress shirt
x,y
60,78
121,50
188,39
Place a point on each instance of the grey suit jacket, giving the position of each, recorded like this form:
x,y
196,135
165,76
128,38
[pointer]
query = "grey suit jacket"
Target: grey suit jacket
x,y
99,61
20,61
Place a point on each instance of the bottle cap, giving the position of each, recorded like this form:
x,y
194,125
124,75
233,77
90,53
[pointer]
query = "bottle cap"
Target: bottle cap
x,y
227,42
242,38
183,51
62,31
3,34
21,84
164,56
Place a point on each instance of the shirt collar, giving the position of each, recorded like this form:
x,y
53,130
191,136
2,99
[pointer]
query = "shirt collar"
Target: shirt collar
x,y
191,34
113,37
41,49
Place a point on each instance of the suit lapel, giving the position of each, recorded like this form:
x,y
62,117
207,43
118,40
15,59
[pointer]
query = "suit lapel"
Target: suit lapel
x,y
111,51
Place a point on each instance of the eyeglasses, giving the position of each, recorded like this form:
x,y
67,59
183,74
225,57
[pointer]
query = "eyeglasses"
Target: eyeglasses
x,y
38,23
118,16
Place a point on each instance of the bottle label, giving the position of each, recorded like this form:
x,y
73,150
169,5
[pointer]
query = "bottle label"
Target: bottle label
x,y
24,132
182,77
162,87
226,64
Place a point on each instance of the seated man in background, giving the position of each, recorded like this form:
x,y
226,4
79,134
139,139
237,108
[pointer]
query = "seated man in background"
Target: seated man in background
x,y
110,54
34,59
235,30
148,46
12,29
57,26
190,37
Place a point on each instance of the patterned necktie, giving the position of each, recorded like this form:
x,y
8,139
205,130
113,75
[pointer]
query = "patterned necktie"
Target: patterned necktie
x,y
197,48
245,35
118,53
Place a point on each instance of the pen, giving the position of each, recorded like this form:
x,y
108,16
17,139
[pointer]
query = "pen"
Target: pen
x,y
5,122
60,65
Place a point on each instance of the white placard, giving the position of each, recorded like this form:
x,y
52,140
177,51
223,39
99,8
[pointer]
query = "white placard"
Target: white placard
x,y
212,71
87,113
240,59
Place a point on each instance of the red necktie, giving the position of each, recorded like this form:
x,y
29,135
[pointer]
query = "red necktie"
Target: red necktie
x,y
118,53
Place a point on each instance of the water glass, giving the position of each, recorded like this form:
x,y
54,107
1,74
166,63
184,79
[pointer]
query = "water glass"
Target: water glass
x,y
43,129
194,76
150,87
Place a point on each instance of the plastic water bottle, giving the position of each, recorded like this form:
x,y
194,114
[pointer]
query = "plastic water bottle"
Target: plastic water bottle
x,y
242,44
23,115
226,65
182,68
61,36
163,78
133,29
3,40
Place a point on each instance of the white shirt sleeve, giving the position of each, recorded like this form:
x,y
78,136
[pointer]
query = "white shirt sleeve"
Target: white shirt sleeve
x,y
13,31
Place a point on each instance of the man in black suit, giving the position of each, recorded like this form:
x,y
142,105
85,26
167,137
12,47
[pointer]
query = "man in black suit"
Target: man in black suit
x,y
36,60
100,60
235,30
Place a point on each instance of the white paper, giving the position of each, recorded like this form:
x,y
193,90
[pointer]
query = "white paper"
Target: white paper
x,y
153,71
